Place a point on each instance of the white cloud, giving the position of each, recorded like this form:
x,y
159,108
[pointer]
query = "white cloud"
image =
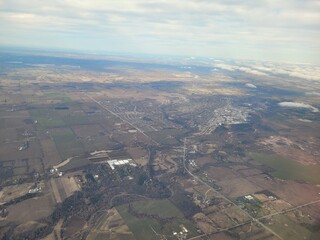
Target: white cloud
x,y
250,85
298,105
269,29
240,68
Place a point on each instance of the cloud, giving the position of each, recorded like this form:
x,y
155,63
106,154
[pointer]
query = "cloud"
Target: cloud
x,y
240,68
298,105
250,85
281,30
298,70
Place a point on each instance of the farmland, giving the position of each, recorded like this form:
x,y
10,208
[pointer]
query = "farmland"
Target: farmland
x,y
139,151
289,170
148,226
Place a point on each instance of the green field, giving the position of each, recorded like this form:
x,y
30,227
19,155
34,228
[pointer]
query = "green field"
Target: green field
x,y
46,118
51,118
79,119
66,143
163,208
57,97
75,163
142,227
288,169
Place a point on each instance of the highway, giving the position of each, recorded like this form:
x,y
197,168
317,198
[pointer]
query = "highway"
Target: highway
x,y
252,219
122,119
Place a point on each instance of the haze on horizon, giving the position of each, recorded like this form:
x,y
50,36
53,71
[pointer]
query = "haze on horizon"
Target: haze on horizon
x,y
285,30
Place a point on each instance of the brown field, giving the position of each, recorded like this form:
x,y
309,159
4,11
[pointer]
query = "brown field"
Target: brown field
x,y
189,184
10,151
31,209
12,122
221,219
80,126
289,191
220,236
253,232
249,172
236,215
313,211
24,166
70,185
55,190
201,161
73,225
56,233
293,149
129,93
50,152
206,225
276,205
220,173
63,187
127,139
238,187
202,190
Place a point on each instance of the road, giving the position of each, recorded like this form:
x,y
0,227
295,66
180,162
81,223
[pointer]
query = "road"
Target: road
x,y
252,219
290,209
122,119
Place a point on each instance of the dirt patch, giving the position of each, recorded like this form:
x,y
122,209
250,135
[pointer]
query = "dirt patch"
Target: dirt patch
x,y
139,155
63,187
70,185
12,192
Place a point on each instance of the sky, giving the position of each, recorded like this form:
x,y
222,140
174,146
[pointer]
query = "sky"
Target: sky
x,y
286,30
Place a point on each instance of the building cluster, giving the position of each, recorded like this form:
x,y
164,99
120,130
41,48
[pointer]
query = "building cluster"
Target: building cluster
x,y
56,172
116,162
182,234
225,115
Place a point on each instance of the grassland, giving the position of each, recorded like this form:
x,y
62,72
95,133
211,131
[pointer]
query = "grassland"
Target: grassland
x,y
75,163
49,118
66,142
288,169
57,97
163,208
110,226
288,229
46,118
142,228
